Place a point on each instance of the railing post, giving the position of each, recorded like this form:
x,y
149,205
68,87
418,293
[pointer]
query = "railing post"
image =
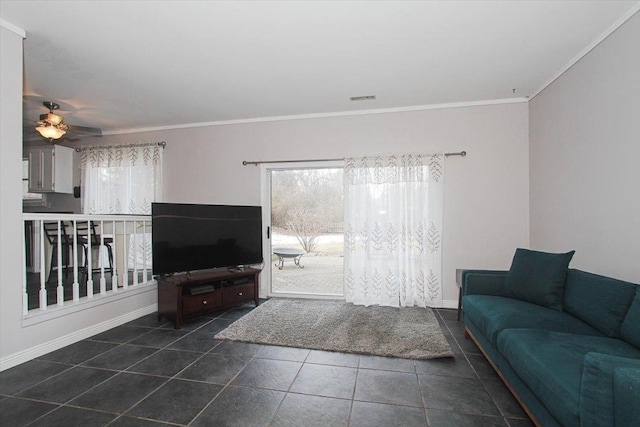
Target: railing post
x,y
144,251
59,249
103,281
25,293
43,273
114,269
89,262
135,252
125,261
76,285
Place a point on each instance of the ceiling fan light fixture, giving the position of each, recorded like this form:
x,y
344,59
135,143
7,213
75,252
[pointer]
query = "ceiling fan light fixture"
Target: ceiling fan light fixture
x,y
50,132
52,127
54,119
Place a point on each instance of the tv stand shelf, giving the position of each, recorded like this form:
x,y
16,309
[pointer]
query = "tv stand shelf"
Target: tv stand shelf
x,y
195,294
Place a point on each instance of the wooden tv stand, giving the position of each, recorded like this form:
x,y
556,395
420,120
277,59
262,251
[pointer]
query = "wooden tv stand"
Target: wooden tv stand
x,y
181,296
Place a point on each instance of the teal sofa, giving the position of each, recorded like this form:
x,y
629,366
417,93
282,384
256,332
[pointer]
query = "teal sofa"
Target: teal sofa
x,y
572,362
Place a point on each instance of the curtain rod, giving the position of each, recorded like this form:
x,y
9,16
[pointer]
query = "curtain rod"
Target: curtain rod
x,y
162,144
256,163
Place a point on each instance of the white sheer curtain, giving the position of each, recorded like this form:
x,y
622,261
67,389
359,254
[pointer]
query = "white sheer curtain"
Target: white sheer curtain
x,y
393,230
121,179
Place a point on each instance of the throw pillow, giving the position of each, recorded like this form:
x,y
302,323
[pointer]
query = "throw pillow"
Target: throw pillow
x,y
538,277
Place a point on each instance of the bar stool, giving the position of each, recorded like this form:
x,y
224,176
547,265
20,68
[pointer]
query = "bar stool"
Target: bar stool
x,y
88,230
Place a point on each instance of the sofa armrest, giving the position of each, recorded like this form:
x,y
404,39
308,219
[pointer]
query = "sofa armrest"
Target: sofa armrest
x,y
483,282
599,402
626,395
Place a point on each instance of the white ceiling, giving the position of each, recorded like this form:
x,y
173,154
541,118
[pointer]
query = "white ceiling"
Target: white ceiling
x,y
155,64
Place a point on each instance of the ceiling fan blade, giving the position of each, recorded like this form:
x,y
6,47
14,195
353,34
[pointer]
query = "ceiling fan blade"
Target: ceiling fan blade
x,y
71,139
85,131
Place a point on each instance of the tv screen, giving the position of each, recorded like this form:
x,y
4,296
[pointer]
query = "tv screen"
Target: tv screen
x,y
190,237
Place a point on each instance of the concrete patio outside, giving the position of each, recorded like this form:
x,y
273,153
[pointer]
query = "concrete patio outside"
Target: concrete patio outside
x,y
323,269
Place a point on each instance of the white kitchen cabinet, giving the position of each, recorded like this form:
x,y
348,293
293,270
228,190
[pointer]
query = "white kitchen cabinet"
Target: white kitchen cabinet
x,y
50,169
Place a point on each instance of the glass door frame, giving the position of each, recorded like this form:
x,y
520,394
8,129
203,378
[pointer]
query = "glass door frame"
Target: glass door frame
x,y
265,191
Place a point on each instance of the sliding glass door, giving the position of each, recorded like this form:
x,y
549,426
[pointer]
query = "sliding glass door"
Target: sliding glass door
x,y
305,214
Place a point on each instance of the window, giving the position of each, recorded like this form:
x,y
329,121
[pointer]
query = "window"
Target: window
x,y
121,179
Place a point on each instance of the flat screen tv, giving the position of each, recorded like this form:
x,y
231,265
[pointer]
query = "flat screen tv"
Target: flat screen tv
x,y
190,237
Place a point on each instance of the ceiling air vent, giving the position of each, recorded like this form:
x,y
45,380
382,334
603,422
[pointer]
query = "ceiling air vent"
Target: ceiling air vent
x,y
363,98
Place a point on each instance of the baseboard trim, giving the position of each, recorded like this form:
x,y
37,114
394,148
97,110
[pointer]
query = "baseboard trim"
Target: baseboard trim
x,y
58,343
448,303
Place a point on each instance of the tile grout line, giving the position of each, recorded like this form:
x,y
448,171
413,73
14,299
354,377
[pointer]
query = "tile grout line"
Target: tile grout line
x,y
224,387
175,376
446,324
122,371
482,381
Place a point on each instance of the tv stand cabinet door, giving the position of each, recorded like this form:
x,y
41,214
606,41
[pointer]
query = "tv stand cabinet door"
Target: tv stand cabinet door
x,y
170,302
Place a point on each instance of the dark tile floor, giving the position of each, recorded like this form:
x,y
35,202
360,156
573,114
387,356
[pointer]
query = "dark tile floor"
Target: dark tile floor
x,y
146,373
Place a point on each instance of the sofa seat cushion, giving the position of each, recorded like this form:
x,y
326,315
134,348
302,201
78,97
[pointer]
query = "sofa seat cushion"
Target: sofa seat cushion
x,y
551,365
492,314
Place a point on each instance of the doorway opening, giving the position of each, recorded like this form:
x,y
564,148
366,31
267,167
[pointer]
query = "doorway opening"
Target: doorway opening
x,y
306,244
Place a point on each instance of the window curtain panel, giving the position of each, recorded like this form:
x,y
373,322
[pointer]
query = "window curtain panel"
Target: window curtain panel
x,y
393,230
121,179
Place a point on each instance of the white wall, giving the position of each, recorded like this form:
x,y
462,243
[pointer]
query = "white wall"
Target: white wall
x,y
585,159
19,340
10,182
486,192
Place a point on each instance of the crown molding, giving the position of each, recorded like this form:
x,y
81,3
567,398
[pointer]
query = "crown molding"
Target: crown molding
x,y
589,48
322,115
13,28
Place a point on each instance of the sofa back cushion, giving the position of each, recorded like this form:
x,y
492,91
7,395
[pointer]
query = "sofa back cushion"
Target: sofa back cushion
x,y
631,325
600,301
538,277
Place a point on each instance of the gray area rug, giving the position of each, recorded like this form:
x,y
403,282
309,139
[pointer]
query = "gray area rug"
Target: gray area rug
x,y
408,332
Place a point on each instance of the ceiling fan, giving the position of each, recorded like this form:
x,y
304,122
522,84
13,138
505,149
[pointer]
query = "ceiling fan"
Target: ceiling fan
x,y
51,126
